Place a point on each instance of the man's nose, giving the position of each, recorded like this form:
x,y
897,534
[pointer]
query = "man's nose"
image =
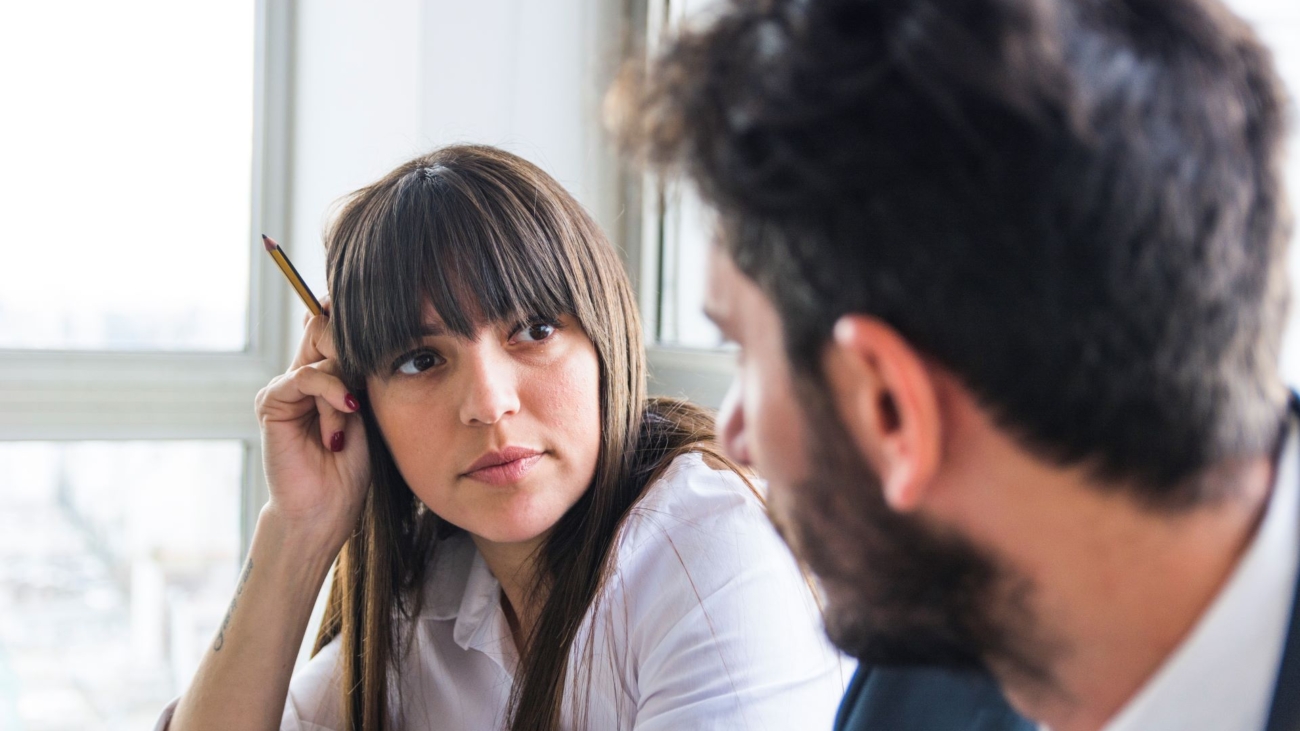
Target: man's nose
x,y
731,425
490,388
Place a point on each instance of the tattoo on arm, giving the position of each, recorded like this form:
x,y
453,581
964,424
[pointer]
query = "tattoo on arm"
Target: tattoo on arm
x,y
221,635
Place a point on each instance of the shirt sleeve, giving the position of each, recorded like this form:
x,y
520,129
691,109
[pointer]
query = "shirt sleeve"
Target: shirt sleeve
x,y
165,718
724,628
313,703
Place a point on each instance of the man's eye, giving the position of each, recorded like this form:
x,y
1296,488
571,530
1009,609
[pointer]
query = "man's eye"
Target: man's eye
x,y
418,363
535,332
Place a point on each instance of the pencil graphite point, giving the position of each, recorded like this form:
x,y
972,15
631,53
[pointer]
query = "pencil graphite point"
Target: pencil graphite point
x,y
269,242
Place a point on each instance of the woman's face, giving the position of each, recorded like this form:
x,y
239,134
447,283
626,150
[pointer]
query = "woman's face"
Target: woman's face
x,y
498,435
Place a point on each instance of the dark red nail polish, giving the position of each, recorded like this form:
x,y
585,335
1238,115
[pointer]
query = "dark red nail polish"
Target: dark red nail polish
x,y
352,402
336,441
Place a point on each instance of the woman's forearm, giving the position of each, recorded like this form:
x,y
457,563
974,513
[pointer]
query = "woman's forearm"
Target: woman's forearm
x,y
244,677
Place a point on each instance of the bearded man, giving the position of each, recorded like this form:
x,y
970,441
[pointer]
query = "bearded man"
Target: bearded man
x,y
1008,283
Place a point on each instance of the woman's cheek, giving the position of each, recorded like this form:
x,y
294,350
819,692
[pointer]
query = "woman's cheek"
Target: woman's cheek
x,y
572,406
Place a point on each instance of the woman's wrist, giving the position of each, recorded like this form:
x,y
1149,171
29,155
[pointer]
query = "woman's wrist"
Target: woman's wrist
x,y
313,541
243,679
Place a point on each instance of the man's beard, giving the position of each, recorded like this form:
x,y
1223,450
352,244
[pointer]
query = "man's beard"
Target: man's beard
x,y
899,592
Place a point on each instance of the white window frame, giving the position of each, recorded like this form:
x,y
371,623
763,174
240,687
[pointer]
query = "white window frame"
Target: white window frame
x,y
700,374
66,395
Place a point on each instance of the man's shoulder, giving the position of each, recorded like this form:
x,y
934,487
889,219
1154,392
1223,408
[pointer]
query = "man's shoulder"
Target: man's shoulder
x,y
923,699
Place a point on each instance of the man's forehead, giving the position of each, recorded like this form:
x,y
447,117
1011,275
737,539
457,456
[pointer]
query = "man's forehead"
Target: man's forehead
x,y
720,275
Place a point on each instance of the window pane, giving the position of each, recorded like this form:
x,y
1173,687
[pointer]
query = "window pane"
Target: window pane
x,y
125,174
688,228
117,562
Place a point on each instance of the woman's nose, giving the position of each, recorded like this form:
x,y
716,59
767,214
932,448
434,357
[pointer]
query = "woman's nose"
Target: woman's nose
x,y
490,389
731,425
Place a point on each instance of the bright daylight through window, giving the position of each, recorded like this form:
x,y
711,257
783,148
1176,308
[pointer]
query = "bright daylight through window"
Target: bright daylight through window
x,y
126,186
126,197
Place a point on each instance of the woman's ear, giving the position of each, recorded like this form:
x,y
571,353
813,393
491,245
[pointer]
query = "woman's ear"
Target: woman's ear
x,y
885,393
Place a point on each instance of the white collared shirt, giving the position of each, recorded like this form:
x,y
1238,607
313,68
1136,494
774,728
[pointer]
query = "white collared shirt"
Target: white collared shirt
x,y
1221,678
706,623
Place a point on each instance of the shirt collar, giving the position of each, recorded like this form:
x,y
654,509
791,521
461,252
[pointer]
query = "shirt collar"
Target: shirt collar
x,y
1222,676
447,576
460,587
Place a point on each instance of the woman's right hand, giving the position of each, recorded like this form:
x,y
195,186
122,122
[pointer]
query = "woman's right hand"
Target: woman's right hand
x,y
313,442
318,483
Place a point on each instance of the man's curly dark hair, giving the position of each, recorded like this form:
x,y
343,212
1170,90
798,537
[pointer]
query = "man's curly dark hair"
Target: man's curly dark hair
x,y
1073,205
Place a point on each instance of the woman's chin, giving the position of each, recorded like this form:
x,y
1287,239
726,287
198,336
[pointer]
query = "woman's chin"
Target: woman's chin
x,y
508,516
511,535
525,528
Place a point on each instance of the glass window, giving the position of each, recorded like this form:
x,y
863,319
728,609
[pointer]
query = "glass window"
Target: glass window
x,y
125,174
117,563
688,228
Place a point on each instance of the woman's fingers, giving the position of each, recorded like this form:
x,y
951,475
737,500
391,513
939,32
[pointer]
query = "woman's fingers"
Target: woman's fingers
x,y
314,374
324,306
333,422
315,386
317,342
332,426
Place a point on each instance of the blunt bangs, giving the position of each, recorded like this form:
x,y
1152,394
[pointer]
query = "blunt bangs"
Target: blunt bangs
x,y
480,248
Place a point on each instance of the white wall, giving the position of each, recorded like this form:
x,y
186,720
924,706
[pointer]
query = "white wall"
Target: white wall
x,y
355,109
379,82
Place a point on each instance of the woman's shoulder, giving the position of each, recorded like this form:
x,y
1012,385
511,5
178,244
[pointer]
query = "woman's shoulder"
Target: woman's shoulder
x,y
713,612
690,495
698,526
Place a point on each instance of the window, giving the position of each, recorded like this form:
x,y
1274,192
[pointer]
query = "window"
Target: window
x,y
685,349
138,318
116,564
684,353
127,193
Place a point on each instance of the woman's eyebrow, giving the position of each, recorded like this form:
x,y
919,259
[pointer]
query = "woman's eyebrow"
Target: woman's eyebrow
x,y
432,329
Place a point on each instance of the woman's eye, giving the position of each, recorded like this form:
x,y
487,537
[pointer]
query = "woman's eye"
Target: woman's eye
x,y
418,363
535,332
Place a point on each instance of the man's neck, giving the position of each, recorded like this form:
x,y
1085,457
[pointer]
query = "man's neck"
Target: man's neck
x,y
1115,586
1118,586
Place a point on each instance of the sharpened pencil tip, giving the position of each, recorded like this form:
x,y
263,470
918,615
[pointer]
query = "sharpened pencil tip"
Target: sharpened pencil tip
x,y
269,242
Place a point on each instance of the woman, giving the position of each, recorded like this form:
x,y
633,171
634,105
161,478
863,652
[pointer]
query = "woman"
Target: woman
x,y
524,540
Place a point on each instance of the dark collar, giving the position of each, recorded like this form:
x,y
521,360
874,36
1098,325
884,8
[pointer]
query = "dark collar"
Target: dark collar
x,y
1285,714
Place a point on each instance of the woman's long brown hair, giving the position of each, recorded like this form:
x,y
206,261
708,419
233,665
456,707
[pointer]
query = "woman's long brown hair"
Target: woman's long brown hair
x,y
485,237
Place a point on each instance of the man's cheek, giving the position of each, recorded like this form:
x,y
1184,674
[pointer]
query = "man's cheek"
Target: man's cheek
x,y
776,440
777,511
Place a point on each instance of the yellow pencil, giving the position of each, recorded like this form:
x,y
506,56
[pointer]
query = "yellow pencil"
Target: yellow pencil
x,y
292,274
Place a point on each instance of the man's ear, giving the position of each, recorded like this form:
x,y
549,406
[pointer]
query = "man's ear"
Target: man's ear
x,y
885,394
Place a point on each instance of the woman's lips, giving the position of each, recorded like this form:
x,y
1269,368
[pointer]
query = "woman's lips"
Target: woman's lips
x,y
506,472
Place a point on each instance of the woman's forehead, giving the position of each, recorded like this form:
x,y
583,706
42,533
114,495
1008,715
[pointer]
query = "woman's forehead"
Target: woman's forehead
x,y
433,325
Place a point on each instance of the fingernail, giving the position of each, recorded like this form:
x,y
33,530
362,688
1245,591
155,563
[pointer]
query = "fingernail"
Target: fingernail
x,y
336,442
352,402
